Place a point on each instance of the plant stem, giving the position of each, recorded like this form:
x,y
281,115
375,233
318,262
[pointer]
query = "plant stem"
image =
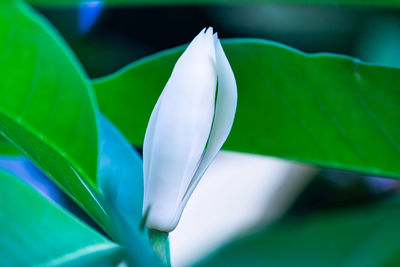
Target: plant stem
x,y
159,241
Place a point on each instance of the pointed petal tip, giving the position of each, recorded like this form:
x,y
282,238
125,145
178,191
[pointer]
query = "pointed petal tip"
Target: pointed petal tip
x,y
209,30
215,36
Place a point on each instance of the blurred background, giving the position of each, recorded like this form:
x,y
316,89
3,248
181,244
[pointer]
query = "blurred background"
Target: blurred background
x,y
106,38
240,192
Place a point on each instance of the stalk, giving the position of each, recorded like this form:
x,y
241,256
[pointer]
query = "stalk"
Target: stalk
x,y
159,241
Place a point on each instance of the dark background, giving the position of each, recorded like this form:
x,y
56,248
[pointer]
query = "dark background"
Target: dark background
x,y
121,35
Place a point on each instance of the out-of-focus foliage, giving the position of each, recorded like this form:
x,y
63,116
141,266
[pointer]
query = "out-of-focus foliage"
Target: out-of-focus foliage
x,y
379,41
323,109
34,231
357,236
167,2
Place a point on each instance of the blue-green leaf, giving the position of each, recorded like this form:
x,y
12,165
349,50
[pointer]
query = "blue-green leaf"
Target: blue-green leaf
x,y
34,231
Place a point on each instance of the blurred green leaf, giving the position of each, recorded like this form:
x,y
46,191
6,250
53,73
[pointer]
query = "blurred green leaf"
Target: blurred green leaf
x,y
322,109
6,148
34,231
358,236
47,106
168,2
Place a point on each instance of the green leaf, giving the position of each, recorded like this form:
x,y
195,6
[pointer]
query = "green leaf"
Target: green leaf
x,y
36,231
160,242
138,251
358,236
6,148
395,3
323,109
47,106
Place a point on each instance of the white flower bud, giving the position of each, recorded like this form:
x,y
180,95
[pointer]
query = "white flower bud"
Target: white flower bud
x,y
188,126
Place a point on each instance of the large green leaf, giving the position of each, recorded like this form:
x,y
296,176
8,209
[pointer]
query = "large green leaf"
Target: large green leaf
x,y
323,109
47,106
395,3
36,231
358,236
6,148
123,207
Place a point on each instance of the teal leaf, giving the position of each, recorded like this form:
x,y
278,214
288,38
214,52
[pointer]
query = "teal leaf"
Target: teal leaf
x,y
121,174
121,183
23,168
34,231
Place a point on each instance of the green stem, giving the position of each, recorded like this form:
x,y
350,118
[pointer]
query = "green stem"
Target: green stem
x,y
159,241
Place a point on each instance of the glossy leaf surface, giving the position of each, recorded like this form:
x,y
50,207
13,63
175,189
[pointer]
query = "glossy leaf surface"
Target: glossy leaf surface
x,y
23,168
126,214
47,106
323,109
34,231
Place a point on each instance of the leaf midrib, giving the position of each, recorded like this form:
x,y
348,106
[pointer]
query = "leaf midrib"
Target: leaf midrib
x,y
89,184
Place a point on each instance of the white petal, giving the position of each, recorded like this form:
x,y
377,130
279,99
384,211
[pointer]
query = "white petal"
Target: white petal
x,y
178,131
148,149
223,120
